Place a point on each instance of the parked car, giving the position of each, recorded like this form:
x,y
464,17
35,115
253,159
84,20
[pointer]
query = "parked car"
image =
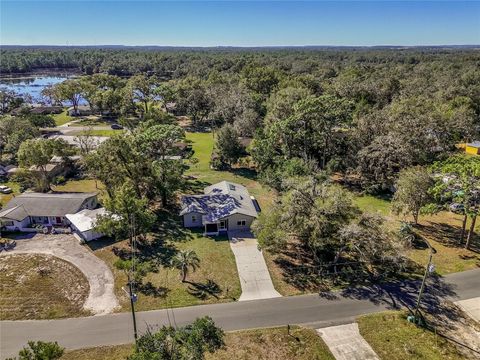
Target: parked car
x,y
5,189
116,127
457,208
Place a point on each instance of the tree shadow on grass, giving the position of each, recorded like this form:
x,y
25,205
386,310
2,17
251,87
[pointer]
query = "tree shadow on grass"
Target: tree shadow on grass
x,y
170,227
447,235
397,294
149,289
195,186
203,291
245,172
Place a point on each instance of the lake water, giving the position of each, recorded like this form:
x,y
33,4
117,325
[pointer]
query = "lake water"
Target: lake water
x,y
33,84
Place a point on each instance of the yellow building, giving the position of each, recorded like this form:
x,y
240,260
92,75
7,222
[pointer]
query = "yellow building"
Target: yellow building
x,y
473,148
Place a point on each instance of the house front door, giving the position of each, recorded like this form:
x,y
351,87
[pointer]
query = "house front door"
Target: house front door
x,y
58,220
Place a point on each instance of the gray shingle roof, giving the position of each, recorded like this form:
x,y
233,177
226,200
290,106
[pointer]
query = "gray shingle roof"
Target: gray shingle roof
x,y
16,213
39,204
220,200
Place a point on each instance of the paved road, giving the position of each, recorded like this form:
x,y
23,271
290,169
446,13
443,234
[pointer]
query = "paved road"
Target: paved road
x,y
315,311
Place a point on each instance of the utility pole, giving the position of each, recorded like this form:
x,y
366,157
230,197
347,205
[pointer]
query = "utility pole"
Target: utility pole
x,y
430,268
133,299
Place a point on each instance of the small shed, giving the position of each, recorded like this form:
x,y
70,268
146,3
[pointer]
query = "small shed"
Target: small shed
x,y
473,148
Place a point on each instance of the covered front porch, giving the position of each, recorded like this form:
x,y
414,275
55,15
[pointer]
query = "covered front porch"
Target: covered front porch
x,y
215,228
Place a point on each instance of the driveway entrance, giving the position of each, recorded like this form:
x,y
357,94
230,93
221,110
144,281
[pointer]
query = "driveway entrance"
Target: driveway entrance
x,y
252,269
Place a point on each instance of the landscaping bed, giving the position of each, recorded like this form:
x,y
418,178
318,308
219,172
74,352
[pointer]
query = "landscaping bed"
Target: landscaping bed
x,y
41,287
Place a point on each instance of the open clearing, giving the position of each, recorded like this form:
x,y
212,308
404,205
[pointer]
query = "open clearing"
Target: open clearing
x,y
262,344
41,287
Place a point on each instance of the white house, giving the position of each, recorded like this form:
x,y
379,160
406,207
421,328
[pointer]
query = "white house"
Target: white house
x,y
25,211
223,207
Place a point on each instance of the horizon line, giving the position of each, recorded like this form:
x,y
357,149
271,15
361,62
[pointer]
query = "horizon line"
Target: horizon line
x,y
239,46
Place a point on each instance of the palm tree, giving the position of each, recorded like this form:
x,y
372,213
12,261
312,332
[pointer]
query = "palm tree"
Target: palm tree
x,y
184,260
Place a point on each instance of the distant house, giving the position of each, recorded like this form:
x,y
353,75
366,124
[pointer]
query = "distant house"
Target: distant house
x,y
223,207
29,209
473,148
46,110
83,223
6,171
82,110
51,170
94,141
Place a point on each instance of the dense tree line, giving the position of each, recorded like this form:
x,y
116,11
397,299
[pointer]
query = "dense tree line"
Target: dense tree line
x,y
364,113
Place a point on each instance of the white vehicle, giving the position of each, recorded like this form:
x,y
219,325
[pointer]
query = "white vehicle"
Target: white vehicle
x,y
5,189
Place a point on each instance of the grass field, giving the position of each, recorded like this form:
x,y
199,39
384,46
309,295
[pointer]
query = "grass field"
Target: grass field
x,y
96,132
393,338
84,185
62,118
91,121
41,287
202,144
442,230
216,280
261,344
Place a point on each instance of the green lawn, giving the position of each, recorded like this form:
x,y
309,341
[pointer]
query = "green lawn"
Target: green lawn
x,y
202,144
163,288
85,185
91,121
62,118
262,344
373,204
393,338
96,132
5,198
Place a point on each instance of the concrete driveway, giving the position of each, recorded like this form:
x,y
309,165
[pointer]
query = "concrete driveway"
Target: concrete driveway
x,y
252,269
101,298
346,343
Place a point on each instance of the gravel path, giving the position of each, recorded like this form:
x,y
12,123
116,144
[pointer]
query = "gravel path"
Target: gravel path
x,y
101,299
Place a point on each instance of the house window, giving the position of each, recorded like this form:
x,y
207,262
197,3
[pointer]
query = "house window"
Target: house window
x,y
241,223
194,218
223,225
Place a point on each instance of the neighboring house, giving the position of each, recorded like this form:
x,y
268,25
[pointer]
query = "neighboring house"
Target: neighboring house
x,y
58,166
52,170
82,110
29,209
83,223
6,171
93,141
224,207
46,110
473,148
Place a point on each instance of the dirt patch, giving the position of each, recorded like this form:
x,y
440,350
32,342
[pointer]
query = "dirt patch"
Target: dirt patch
x,y
41,287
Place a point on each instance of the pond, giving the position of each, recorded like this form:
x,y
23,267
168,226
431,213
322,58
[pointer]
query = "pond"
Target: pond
x,y
32,84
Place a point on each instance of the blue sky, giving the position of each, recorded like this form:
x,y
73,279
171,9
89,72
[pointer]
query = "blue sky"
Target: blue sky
x,y
243,23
